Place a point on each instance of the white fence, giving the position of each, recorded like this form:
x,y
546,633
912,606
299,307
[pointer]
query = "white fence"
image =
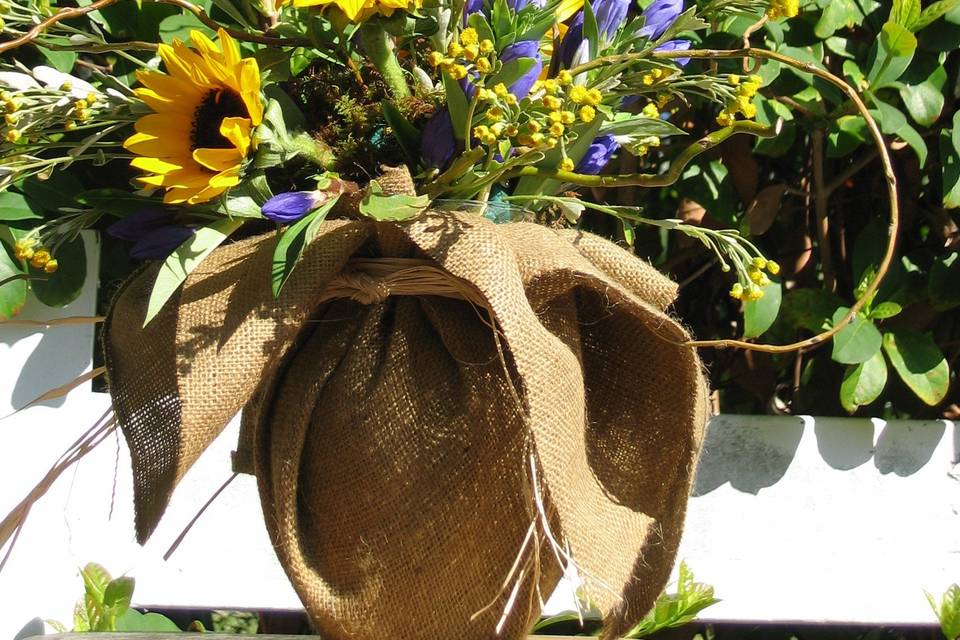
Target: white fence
x,y
793,519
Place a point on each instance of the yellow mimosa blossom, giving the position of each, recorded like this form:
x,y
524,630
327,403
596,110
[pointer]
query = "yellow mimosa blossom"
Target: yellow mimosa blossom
x,y
205,109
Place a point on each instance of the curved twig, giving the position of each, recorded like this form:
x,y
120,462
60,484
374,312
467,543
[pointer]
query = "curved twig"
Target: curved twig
x,y
40,27
888,255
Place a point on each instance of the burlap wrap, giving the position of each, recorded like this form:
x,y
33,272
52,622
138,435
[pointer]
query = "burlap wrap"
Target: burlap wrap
x,y
392,437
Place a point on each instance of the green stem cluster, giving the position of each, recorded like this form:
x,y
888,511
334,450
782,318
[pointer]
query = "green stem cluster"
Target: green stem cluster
x,y
377,44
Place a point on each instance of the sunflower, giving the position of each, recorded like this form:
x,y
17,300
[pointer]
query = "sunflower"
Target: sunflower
x,y
361,10
206,107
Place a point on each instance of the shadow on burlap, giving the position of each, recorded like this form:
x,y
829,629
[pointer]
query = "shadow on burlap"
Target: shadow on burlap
x,y
427,465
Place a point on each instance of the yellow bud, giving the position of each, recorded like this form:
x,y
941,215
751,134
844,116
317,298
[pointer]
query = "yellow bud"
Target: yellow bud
x,y
526,140
511,100
483,65
736,291
594,97
568,117
471,51
80,104
566,164
733,79
564,78
578,94
587,114
725,118
557,129
454,50
66,86
501,90
754,292
533,126
12,135
456,71
480,131
497,129
551,86
657,73
554,116
469,36
773,267
12,104
551,142
40,258
651,110
512,130
434,58
536,138
11,118
5,95
552,103
749,111
51,266
489,139
69,125
91,97
484,94
486,46
663,99
647,79
495,113
754,274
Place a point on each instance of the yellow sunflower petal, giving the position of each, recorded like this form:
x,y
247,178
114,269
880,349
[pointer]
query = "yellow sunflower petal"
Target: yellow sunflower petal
x,y
225,180
144,144
179,195
169,85
166,103
566,9
196,65
351,8
154,165
237,131
230,48
249,74
218,159
212,56
161,125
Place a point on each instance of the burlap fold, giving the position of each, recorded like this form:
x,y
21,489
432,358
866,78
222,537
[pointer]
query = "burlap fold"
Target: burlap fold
x,y
430,460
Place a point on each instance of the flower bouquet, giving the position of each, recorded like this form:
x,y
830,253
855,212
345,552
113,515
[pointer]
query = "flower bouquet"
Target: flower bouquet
x,y
363,221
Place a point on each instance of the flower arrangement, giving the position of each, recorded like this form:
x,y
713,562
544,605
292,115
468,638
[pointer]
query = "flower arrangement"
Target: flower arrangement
x,y
518,105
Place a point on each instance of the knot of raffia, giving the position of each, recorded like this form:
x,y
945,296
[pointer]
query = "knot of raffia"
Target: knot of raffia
x,y
373,280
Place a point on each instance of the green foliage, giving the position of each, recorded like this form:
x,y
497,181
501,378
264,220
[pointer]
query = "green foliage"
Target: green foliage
x,y
105,606
676,609
948,611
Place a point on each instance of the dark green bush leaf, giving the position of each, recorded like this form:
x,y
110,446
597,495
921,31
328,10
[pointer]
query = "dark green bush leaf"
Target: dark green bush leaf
x,y
62,287
863,383
856,342
920,364
885,310
950,159
810,309
759,315
13,294
944,284
13,206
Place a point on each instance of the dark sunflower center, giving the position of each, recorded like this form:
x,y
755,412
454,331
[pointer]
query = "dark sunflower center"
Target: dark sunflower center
x,y
216,105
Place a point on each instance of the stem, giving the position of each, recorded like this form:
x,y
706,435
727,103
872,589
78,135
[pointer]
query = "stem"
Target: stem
x,y
316,151
821,196
376,42
649,179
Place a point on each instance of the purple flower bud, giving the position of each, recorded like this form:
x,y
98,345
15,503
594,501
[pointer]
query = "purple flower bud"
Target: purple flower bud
x,y
524,49
572,40
291,206
134,226
517,5
160,242
676,45
438,143
610,14
471,6
598,155
659,16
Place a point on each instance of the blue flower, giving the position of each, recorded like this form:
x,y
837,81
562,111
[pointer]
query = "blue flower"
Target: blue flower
x,y
160,243
438,143
598,155
659,16
610,15
523,49
153,233
291,206
676,45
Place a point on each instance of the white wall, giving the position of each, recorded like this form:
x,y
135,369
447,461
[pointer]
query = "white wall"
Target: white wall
x,y
793,519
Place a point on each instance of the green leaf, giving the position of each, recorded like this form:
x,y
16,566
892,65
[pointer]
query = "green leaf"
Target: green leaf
x,y
950,159
846,134
13,206
456,104
118,594
513,71
916,142
810,309
13,294
863,383
885,310
933,12
759,315
406,134
62,287
393,208
948,611
185,259
944,283
59,60
640,126
293,240
836,15
923,101
905,13
478,22
133,620
857,341
591,31
180,25
895,49
95,580
57,191
920,364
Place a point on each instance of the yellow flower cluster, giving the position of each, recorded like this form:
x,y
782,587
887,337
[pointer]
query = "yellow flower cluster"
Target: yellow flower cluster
x,y
783,9
9,107
653,77
39,256
556,105
743,102
757,279
470,53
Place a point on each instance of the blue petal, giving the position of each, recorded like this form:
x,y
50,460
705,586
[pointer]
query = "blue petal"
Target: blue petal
x,y
134,226
438,143
290,206
524,49
598,155
159,243
659,16
676,45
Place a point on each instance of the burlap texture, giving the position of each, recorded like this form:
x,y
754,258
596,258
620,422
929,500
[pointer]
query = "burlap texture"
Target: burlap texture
x,y
402,445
